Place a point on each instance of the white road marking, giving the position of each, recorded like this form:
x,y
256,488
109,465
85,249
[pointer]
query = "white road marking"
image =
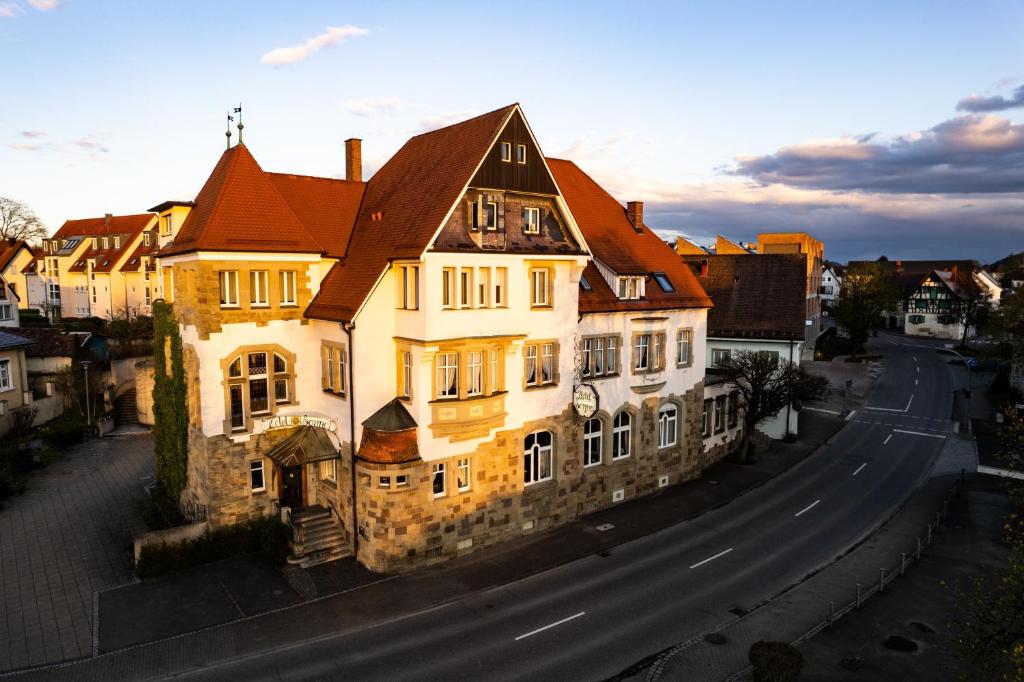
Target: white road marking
x,y
546,627
808,508
918,369
918,433
711,558
818,409
909,403
915,357
915,381
859,468
887,439
850,416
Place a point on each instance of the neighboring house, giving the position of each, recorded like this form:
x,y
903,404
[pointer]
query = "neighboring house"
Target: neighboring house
x,y
935,306
988,284
727,247
14,386
686,247
9,305
14,256
51,353
759,306
831,283
425,334
813,251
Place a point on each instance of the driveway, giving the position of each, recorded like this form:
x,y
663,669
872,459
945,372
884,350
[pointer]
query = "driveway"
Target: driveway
x,y
67,538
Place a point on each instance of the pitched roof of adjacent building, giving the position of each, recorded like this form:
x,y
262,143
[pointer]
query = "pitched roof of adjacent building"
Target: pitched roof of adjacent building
x,y
48,342
404,204
9,340
115,224
134,261
10,249
761,297
615,243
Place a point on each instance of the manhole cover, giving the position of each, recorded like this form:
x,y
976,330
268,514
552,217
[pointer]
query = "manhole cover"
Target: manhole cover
x,y
605,526
900,643
715,638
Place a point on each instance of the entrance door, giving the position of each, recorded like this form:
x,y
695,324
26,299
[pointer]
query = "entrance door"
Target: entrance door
x,y
291,487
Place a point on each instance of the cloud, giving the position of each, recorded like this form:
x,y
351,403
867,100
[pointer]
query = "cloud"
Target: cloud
x,y
25,146
979,104
44,5
90,144
374,106
442,120
32,133
974,153
9,10
334,35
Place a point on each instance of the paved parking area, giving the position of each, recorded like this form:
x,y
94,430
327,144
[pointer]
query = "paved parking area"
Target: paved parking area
x,y
67,538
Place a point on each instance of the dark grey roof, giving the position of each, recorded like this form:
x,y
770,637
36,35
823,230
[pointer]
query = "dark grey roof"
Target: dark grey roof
x,y
390,418
9,340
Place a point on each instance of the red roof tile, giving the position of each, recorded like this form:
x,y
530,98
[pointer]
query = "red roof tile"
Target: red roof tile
x,y
10,250
239,209
384,447
134,261
614,242
326,206
412,193
118,224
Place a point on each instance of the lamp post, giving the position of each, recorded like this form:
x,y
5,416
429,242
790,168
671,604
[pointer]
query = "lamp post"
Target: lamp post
x,y
88,410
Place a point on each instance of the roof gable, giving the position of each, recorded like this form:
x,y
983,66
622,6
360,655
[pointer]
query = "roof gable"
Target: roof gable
x,y
531,176
239,209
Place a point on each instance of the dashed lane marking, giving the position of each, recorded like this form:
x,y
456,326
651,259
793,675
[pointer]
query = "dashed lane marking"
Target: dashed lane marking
x,y
860,468
548,627
808,508
711,558
918,433
887,439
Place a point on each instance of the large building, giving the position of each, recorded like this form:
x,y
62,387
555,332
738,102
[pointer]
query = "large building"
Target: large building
x,y
813,251
476,343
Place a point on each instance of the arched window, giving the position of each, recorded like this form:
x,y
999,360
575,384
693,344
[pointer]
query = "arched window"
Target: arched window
x,y
250,378
593,438
622,435
668,420
537,454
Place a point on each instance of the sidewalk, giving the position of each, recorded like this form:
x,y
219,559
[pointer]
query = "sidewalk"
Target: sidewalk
x,y
392,597
792,615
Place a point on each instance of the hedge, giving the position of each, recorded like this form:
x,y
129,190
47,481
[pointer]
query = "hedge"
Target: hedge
x,y
266,536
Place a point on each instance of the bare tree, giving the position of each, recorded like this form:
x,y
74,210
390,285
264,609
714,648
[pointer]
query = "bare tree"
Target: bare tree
x,y
768,384
866,293
18,221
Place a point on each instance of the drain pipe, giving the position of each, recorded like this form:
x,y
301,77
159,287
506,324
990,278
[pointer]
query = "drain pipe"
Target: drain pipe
x,y
789,407
349,328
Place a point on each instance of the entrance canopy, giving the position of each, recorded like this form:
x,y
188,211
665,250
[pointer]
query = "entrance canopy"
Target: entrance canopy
x,y
307,444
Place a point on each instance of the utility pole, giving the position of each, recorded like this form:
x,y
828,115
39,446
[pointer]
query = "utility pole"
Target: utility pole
x,y
88,409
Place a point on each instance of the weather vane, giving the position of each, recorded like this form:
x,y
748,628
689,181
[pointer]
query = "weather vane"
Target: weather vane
x,y
227,133
237,110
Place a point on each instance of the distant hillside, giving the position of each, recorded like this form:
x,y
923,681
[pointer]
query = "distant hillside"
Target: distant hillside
x,y
1015,261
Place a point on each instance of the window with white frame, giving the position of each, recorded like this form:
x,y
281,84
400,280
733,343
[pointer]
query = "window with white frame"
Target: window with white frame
x,y
465,288
447,375
287,280
333,364
5,312
630,288
641,352
719,356
506,152
462,480
384,482
148,297
168,223
490,216
500,286
684,339
448,288
547,363
668,425
146,239
117,242
734,409
622,435
409,287
531,220
537,457
720,414
494,382
483,287
329,470
280,380
541,364
706,418
521,153
539,283
611,355
586,357
106,243
257,483
406,389
229,288
258,287
6,382
593,437
474,373
438,482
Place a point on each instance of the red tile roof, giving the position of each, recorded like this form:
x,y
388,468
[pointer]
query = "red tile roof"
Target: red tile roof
x,y
411,195
239,209
756,296
10,250
383,447
118,224
614,242
326,206
104,258
134,261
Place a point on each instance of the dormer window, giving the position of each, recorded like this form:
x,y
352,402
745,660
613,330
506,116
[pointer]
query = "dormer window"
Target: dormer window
x,y
664,282
106,243
95,242
506,152
490,217
531,220
117,242
520,153
145,239
168,223
630,288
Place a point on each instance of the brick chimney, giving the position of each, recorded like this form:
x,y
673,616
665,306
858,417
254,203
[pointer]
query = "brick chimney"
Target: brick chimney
x,y
635,213
107,217
899,267
354,159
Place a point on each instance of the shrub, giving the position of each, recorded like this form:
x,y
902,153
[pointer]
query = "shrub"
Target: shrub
x,y
159,510
64,431
266,536
775,662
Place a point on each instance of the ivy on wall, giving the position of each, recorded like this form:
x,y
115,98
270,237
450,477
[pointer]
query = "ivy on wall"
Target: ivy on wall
x,y
170,408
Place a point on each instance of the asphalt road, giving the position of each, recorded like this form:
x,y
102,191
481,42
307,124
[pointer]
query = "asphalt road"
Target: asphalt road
x,y
595,617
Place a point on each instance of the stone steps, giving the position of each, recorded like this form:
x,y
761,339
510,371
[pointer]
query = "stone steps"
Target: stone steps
x,y
316,538
126,409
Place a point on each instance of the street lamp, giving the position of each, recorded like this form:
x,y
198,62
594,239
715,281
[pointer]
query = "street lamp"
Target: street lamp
x,y
88,410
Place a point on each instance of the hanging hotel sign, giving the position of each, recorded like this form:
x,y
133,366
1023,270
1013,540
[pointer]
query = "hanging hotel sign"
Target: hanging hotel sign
x,y
287,421
584,400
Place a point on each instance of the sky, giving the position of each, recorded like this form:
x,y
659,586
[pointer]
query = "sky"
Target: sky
x,y
879,127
